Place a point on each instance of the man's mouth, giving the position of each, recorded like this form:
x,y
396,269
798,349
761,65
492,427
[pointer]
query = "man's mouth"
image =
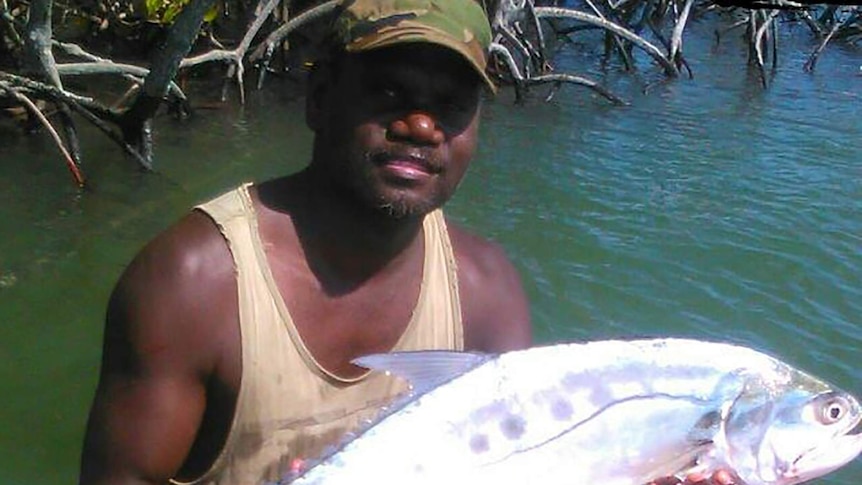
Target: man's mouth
x,y
407,166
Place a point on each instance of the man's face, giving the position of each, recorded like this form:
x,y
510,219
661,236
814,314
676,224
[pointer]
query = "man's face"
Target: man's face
x,y
397,126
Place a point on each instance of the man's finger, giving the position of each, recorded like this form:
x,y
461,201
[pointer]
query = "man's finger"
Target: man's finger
x,y
721,477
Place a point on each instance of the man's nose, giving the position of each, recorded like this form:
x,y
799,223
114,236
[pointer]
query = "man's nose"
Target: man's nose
x,y
419,127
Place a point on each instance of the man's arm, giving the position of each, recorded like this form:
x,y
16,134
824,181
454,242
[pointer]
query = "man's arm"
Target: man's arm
x,y
493,304
159,351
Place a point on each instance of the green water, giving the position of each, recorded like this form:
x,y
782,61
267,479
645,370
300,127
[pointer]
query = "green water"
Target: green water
x,y
707,208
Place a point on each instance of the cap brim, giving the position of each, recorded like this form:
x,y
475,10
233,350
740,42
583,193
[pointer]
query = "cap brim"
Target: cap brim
x,y
417,34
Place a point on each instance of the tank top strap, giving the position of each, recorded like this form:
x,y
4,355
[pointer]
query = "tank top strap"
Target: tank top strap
x,y
436,322
233,214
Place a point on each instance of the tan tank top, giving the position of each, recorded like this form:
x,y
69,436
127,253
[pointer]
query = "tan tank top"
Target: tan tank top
x,y
289,406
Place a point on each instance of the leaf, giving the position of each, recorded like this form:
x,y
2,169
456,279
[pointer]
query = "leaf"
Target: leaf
x,y
173,9
153,7
213,12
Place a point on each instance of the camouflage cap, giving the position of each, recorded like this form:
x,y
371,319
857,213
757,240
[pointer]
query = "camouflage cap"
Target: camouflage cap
x,y
460,25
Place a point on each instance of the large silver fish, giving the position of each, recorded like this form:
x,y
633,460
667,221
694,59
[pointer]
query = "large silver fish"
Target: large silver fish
x,y
608,412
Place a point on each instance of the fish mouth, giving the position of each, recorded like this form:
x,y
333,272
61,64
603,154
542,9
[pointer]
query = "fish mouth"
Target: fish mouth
x,y
855,430
821,460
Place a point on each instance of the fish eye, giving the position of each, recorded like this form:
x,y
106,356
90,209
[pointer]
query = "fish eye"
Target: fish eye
x,y
833,410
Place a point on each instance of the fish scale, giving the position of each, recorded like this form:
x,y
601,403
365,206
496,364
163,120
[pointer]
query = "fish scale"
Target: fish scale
x,y
611,412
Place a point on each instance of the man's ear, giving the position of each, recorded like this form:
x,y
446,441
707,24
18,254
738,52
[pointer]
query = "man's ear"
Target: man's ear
x,y
316,100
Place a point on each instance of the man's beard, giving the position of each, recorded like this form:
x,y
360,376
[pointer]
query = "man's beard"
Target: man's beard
x,y
393,203
401,208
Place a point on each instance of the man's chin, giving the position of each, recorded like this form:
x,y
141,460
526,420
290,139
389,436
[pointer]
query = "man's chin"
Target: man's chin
x,y
399,210
406,208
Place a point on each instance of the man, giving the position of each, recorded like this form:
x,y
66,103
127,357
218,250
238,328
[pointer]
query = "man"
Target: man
x,y
229,338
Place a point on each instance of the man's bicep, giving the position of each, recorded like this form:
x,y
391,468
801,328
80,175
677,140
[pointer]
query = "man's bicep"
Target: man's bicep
x,y
140,428
151,395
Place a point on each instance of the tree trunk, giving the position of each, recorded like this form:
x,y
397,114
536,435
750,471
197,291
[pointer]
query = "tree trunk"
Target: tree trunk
x,y
181,37
39,60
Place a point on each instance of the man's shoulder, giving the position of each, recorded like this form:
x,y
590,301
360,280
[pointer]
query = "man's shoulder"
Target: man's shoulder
x,y
180,288
494,307
479,253
193,247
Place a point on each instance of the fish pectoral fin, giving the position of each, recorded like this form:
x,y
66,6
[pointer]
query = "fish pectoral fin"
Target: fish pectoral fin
x,y
425,369
705,461
706,428
679,466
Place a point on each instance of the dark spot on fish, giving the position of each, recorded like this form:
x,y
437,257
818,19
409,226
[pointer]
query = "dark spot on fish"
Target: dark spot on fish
x,y
572,382
489,413
594,384
513,427
600,394
561,410
479,443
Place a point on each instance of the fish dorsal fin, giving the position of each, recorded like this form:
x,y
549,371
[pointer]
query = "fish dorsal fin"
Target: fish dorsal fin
x,y
425,369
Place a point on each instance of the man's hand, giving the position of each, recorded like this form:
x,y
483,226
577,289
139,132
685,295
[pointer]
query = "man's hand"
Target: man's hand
x,y
721,477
